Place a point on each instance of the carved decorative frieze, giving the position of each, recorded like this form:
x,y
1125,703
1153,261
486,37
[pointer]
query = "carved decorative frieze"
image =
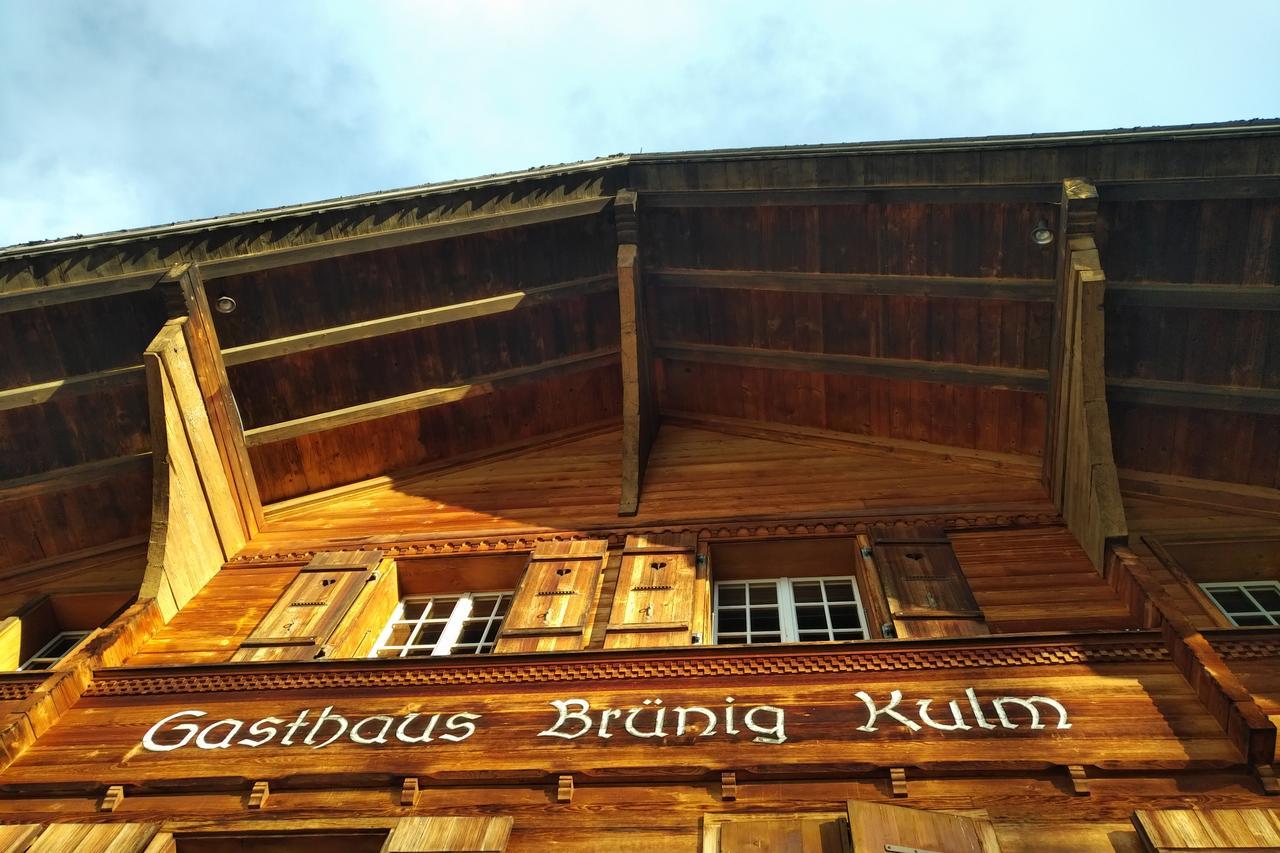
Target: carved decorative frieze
x,y
525,542
1250,649
365,675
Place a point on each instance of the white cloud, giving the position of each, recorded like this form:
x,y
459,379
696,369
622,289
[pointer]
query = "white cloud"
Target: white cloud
x,y
132,113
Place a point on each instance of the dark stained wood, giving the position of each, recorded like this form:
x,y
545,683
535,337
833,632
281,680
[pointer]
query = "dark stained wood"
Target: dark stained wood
x,y
639,396
1031,290
1004,378
1249,297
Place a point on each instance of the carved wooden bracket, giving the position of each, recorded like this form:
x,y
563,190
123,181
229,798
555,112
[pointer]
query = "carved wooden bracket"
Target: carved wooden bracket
x,y
564,789
258,797
898,781
112,799
409,791
728,785
1079,782
1267,778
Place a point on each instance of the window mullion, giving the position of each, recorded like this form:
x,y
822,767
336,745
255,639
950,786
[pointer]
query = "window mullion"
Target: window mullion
x,y
453,627
787,612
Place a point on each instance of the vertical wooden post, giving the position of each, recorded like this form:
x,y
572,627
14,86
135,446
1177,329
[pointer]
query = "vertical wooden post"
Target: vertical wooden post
x,y
639,403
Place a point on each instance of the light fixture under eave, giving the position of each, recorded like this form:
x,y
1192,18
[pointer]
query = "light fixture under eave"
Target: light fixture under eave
x,y
224,305
1042,234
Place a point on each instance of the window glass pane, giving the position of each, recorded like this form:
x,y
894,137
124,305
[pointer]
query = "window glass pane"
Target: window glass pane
x,y
429,634
414,609
766,638
400,634
839,590
731,621
731,594
481,606
734,639
764,593
807,591
1249,621
849,635
813,635
844,616
1267,596
811,618
763,620
472,632
1233,601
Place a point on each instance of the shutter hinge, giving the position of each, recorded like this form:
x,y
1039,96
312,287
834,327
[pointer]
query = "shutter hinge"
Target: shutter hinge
x,y
701,561
902,848
888,630
866,550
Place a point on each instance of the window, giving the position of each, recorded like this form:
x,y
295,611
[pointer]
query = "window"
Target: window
x,y
432,625
54,650
788,610
1247,603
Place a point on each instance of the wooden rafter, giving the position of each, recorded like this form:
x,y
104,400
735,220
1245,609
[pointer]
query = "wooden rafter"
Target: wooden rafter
x,y
1018,379
441,315
639,401
1255,297
71,386
856,284
427,398
1080,469
72,476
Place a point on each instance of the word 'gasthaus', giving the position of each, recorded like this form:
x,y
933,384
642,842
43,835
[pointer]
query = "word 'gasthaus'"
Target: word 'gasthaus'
x,y
315,732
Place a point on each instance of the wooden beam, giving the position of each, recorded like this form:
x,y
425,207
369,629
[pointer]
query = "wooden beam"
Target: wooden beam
x,y
72,476
71,386
857,284
1079,464
1251,500
639,400
1229,297
815,196
94,288
1017,379
1192,189
427,398
460,227
184,293
418,319
1227,398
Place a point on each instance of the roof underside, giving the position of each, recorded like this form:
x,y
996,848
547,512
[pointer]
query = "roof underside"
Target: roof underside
x,y
883,292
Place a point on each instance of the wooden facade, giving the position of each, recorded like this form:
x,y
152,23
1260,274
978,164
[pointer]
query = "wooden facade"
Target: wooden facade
x,y
882,497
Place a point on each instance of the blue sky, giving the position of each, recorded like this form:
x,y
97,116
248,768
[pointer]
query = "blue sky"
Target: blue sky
x,y
119,114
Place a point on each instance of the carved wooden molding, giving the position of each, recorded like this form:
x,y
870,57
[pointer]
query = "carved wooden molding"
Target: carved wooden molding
x,y
728,786
1079,781
112,799
1250,649
409,791
501,543
564,789
364,675
898,781
258,797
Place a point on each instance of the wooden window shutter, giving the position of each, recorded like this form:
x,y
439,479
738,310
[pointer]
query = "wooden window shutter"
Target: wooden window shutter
x,y
301,623
653,604
448,835
876,827
1209,829
926,589
785,835
552,606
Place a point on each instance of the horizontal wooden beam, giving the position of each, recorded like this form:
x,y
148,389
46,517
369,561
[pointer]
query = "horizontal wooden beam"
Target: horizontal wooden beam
x,y
72,476
1191,189
1170,189
427,398
856,365
461,227
817,196
58,294
1192,490
71,386
500,304
1228,398
859,284
1233,297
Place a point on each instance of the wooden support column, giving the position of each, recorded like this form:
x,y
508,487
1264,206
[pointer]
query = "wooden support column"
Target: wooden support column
x,y
1080,471
639,402
184,296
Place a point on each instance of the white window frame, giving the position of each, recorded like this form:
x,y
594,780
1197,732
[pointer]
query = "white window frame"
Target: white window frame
x,y
41,657
1243,588
786,604
453,625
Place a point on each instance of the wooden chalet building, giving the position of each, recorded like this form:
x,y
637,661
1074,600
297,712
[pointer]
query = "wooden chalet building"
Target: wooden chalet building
x,y
879,497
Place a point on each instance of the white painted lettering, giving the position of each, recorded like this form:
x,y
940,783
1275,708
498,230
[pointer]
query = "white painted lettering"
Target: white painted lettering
x,y
189,731
874,713
580,716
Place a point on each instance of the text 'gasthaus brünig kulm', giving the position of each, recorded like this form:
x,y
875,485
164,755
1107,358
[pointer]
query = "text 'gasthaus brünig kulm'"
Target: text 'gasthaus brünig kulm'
x,y
578,718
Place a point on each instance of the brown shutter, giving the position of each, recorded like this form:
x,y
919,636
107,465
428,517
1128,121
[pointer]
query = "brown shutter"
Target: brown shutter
x,y
552,607
926,589
876,827
1209,829
303,620
653,604
448,835
785,835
